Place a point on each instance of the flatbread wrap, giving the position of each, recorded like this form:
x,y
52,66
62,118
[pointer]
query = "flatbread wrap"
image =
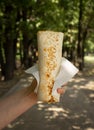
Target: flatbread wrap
x,y
49,61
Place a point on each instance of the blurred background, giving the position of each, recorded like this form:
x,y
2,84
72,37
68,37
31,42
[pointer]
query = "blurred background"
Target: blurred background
x,y
20,20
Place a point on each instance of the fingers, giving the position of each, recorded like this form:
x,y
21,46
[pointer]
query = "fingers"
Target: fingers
x,y
60,90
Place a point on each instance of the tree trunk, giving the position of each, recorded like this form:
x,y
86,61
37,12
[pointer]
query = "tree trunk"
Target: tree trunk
x,y
2,61
80,43
9,55
25,39
9,43
14,52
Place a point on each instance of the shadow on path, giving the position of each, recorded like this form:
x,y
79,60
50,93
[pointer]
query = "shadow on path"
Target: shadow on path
x,y
74,112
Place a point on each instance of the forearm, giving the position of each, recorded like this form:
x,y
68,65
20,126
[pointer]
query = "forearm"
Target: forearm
x,y
14,105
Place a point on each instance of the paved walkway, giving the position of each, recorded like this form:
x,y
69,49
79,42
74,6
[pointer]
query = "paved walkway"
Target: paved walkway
x,y
74,112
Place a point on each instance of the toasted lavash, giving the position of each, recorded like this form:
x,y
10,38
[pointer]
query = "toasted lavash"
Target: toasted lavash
x,y
50,56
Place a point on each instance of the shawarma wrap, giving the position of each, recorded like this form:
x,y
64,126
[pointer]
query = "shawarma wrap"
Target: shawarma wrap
x,y
49,57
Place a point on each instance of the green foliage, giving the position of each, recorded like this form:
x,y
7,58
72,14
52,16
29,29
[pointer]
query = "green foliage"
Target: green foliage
x,y
21,19
58,15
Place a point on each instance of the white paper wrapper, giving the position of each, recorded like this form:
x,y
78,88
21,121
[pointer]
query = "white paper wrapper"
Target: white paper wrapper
x,y
67,71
